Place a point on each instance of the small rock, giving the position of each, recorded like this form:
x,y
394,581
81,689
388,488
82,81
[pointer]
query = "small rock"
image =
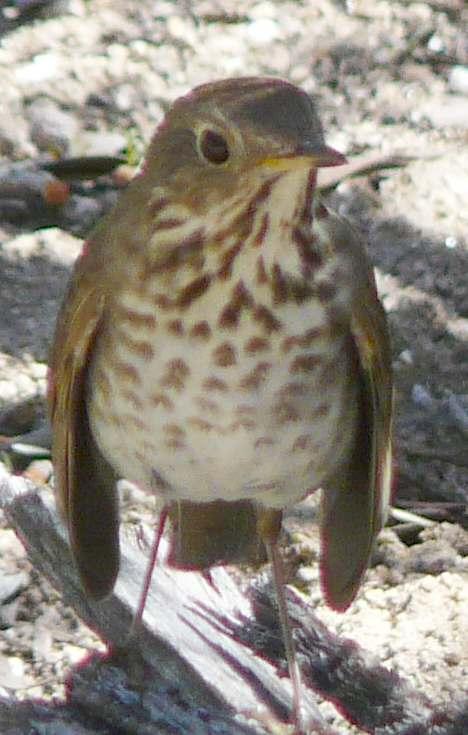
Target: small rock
x,y
10,545
44,67
263,31
458,409
421,397
458,79
20,417
39,471
51,129
11,585
100,143
81,213
446,112
432,557
406,357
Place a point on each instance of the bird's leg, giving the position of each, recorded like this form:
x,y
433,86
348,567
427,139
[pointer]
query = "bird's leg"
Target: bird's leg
x,y
138,616
269,528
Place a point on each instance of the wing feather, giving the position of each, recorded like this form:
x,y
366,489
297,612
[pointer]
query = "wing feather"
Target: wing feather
x,y
84,481
355,501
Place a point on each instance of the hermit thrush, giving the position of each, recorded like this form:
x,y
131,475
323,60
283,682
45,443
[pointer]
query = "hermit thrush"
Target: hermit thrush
x,y
222,345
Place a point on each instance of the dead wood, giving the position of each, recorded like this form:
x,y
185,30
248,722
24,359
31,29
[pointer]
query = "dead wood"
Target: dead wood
x,y
209,658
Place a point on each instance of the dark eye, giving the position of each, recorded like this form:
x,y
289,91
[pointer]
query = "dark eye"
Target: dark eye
x,y
214,147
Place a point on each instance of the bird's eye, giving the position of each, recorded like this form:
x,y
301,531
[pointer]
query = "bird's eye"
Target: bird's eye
x,y
214,147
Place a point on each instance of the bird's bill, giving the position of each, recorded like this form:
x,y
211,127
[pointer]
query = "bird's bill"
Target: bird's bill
x,y
304,157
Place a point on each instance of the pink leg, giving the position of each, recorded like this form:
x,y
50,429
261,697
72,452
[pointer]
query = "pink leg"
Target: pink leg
x,y
138,617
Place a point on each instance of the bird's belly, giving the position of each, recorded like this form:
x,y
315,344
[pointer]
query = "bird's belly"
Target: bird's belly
x,y
270,430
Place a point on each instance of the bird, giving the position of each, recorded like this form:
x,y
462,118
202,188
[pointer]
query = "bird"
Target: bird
x,y
222,344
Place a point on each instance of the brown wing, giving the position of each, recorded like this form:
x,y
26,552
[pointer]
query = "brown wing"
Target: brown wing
x,y
84,482
354,504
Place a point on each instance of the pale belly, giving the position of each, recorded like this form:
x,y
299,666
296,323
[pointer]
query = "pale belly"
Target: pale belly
x,y
199,422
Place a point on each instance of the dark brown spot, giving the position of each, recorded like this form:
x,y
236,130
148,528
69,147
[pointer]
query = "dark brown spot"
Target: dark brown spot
x,y
302,340
162,301
224,355
243,223
305,363
133,398
175,327
126,372
173,430
279,285
304,441
178,366
176,373
206,404
293,390
286,413
308,199
214,383
264,191
245,219
174,443
201,330
200,424
264,441
255,377
309,254
135,318
261,272
156,206
262,231
240,299
326,291
129,419
329,375
300,290
168,224
140,347
256,344
193,291
161,399
227,260
264,316
188,250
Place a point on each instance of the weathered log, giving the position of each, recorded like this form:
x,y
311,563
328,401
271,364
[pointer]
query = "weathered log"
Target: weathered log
x,y
208,658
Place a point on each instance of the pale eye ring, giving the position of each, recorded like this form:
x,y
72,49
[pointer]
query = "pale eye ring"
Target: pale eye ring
x,y
214,147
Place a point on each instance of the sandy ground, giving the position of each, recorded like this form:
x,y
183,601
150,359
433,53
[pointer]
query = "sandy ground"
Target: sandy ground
x,y
390,77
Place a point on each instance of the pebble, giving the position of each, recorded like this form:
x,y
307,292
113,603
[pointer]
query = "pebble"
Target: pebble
x,y
39,471
421,396
458,79
12,673
406,357
263,31
10,545
100,143
44,67
11,585
81,213
51,128
445,112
